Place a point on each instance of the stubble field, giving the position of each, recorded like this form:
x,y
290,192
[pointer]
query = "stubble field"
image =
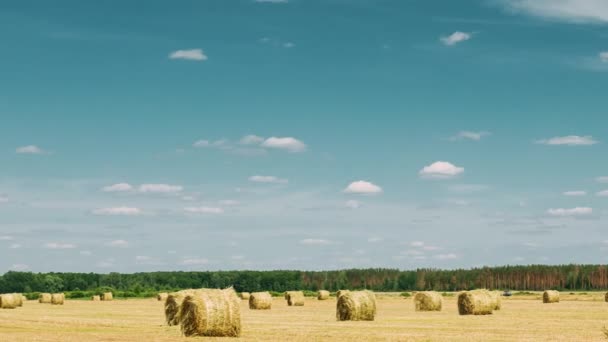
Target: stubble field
x,y
578,317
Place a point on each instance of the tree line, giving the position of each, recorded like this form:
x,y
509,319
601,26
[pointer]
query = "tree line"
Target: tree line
x,y
531,277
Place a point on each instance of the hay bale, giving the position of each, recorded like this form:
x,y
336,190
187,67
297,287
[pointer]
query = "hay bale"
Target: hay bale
x,y
551,296
44,298
356,306
162,296
23,298
245,295
173,304
476,302
496,299
341,292
260,301
295,298
606,297
96,298
428,301
18,299
211,312
57,298
323,295
106,297
8,301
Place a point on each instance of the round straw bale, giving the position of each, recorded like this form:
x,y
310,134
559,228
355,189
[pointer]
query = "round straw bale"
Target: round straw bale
x,y
172,306
341,292
211,312
57,298
295,298
44,298
106,297
551,296
323,295
18,299
260,301
245,295
428,301
496,299
96,298
23,298
356,306
606,297
8,301
476,302
162,296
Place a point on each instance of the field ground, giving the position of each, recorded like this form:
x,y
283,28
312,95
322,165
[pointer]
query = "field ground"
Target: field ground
x,y
578,317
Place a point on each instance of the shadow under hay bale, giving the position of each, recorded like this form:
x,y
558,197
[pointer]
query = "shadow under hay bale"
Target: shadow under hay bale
x,y
162,296
496,299
428,301
245,295
8,301
57,298
295,298
356,306
606,297
260,301
551,296
107,297
211,312
96,298
476,302
44,298
323,295
173,304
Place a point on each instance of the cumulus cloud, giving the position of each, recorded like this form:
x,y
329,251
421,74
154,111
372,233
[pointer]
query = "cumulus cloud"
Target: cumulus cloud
x,y
30,149
3,199
468,135
285,143
579,11
129,211
268,179
604,56
59,245
575,193
362,187
603,179
602,193
315,242
441,170
455,38
352,204
118,243
569,140
251,139
578,211
204,210
194,261
118,187
192,55
160,188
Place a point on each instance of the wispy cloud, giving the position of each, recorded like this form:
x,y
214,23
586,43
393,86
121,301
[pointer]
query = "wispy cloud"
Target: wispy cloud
x,y
455,38
251,139
204,210
194,261
441,170
268,179
603,193
469,135
578,211
118,187
352,204
59,245
129,211
315,242
29,149
118,243
363,187
575,193
192,55
289,144
272,1
602,179
578,11
160,188
569,140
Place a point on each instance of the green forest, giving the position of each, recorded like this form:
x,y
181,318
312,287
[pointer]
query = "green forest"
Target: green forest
x,y
532,278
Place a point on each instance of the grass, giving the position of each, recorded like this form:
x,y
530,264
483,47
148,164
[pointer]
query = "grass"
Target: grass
x,y
576,318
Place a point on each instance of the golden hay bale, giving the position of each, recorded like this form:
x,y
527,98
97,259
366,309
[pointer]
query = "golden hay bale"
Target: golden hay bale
x,y
245,295
96,298
323,295
606,297
162,296
44,298
341,292
18,299
260,301
551,296
356,306
23,298
8,301
173,304
428,301
211,312
57,298
295,298
496,299
106,297
476,302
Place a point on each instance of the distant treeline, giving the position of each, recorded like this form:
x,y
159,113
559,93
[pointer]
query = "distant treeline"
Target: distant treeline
x,y
532,277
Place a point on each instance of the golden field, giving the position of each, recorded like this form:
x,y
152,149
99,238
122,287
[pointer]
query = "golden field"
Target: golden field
x,y
578,317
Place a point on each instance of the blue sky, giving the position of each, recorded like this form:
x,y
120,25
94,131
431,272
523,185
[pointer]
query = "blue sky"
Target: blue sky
x,y
302,134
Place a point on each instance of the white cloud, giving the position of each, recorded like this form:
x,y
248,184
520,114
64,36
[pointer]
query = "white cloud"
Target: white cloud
x,y
273,1
3,199
268,179
352,204
86,253
602,193
14,246
118,187
201,143
578,211
6,238
604,56
204,210
58,245
417,244
193,261
375,239
449,256
251,140
117,211
441,170
118,243
192,55
468,135
362,187
289,45
160,188
579,11
575,193
30,149
569,140
287,143
315,242
455,38
603,179
20,267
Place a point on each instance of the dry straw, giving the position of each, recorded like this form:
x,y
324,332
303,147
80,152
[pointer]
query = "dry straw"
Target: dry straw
x,y
162,296
8,301
606,297
106,297
57,298
245,295
428,301
551,296
341,292
211,312
260,301
323,295
96,298
44,298
295,298
496,299
18,299
173,304
356,306
476,302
